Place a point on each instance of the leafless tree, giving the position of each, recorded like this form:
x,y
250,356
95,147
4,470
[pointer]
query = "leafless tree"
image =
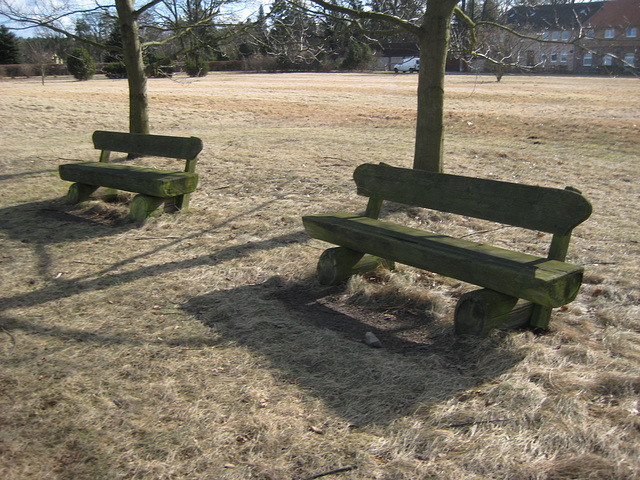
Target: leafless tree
x,y
58,16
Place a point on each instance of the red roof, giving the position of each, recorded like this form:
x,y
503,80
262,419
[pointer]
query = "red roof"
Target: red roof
x,y
617,13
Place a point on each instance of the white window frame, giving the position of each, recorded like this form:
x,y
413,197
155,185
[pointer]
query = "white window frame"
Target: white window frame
x,y
565,36
564,56
632,32
591,33
545,36
555,36
607,60
609,33
587,60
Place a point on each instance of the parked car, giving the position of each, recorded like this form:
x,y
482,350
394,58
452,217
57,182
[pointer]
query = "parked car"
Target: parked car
x,y
408,65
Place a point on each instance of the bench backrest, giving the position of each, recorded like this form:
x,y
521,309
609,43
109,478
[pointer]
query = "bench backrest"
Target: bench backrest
x,y
186,148
545,209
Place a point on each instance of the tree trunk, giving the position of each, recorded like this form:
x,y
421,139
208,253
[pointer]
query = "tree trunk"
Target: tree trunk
x,y
434,45
132,52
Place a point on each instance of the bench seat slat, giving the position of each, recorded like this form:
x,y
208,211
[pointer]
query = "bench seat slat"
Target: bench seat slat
x,y
148,181
546,282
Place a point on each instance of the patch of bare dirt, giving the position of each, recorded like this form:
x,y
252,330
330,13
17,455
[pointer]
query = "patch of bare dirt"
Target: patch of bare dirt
x,y
399,329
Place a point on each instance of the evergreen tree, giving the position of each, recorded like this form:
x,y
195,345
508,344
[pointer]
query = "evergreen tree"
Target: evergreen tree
x,y
9,47
80,64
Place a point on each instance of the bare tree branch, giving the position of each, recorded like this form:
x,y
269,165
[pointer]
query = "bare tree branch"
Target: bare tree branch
x,y
403,24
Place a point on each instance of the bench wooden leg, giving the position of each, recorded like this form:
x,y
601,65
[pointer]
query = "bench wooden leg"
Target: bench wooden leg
x,y
540,317
479,311
80,192
176,204
337,264
182,202
143,205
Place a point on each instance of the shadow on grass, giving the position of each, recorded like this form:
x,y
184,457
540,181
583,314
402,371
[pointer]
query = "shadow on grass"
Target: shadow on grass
x,y
43,223
64,288
306,333
13,176
81,336
52,221
38,225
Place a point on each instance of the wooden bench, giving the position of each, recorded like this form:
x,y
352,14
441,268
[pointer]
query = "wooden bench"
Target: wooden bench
x,y
365,242
153,186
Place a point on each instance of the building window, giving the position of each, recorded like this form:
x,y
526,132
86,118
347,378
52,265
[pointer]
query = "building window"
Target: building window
x,y
591,33
629,59
555,36
607,60
544,58
609,32
565,36
554,57
563,56
586,60
632,32
545,36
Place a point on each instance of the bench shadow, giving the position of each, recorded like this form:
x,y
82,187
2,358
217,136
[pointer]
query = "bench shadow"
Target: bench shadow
x,y
54,221
49,222
314,339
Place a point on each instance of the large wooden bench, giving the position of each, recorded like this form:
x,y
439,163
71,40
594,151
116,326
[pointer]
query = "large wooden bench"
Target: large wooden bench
x,y
519,288
153,186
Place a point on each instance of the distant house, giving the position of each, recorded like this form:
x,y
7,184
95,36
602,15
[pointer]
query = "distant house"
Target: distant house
x,y
612,36
556,26
585,38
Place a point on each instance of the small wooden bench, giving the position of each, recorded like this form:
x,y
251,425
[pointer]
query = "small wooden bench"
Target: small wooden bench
x,y
365,242
153,186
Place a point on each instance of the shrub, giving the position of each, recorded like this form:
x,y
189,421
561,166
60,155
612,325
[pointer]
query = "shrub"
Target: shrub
x,y
358,56
196,67
115,70
80,64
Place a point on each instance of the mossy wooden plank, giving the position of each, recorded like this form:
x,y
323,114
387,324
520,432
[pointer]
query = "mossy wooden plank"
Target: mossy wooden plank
x,y
148,181
537,208
186,148
546,282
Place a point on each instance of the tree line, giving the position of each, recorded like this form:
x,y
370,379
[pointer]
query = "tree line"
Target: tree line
x,y
144,34
195,33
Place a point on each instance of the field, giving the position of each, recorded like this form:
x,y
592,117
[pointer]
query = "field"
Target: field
x,y
200,346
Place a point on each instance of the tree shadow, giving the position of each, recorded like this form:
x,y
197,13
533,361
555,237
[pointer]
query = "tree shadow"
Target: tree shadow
x,y
40,224
31,173
310,335
81,336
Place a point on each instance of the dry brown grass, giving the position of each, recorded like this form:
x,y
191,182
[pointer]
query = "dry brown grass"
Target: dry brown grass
x,y
200,346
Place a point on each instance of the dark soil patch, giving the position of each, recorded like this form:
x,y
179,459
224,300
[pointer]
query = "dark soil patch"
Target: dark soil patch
x,y
397,328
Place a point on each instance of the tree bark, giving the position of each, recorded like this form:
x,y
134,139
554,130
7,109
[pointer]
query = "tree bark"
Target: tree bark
x,y
434,44
132,52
